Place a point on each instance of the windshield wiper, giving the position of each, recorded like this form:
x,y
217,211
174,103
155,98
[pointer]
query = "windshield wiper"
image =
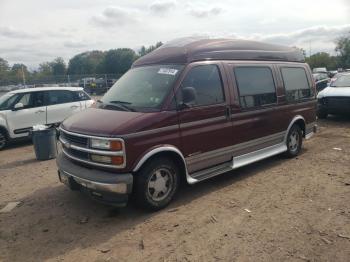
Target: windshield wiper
x,y
123,104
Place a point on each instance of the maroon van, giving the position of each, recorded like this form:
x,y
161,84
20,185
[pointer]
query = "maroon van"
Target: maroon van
x,y
190,110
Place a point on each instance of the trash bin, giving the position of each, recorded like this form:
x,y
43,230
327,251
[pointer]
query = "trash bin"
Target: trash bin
x,y
45,143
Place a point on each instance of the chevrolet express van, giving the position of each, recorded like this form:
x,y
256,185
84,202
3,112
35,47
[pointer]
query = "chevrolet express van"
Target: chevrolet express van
x,y
190,110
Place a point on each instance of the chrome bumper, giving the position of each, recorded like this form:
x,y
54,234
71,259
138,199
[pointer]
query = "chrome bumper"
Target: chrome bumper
x,y
97,181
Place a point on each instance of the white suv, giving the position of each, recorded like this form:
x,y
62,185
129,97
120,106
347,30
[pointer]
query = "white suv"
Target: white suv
x,y
20,110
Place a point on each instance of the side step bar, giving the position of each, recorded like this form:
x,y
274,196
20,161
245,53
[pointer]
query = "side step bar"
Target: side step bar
x,y
237,162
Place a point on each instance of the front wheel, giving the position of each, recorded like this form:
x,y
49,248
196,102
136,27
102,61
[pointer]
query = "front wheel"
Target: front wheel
x,y
294,141
3,140
156,183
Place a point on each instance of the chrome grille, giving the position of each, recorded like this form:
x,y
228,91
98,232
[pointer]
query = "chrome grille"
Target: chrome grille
x,y
77,147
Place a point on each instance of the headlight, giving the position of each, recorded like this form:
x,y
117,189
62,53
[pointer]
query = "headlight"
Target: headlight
x,y
114,145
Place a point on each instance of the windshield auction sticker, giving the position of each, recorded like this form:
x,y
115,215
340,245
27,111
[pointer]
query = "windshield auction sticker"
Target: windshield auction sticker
x,y
167,71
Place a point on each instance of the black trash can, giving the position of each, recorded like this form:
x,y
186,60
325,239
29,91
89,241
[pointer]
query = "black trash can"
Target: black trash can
x,y
45,143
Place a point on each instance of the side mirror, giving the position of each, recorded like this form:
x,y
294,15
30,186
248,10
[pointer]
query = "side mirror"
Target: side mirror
x,y
18,106
189,97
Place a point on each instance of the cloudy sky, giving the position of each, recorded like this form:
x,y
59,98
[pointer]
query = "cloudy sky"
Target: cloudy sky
x,y
40,30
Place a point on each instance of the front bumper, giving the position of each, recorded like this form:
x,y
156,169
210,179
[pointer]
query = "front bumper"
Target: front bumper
x,y
106,187
334,105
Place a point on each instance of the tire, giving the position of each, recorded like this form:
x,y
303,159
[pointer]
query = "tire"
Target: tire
x,y
3,139
156,183
294,141
321,114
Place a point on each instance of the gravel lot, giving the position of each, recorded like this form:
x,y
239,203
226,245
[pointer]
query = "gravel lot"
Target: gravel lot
x,y
275,210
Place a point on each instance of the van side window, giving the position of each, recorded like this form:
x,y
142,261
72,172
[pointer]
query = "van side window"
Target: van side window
x,y
296,83
205,81
256,86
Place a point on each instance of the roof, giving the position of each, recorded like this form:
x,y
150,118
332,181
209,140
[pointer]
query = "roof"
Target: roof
x,y
186,50
24,90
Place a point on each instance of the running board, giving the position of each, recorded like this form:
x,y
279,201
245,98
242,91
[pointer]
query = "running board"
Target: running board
x,y
237,162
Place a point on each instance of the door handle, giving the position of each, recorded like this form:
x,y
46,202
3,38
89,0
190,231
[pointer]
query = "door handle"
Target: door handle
x,y
40,111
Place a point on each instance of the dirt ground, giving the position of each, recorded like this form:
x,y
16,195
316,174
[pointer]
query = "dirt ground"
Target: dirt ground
x,y
275,210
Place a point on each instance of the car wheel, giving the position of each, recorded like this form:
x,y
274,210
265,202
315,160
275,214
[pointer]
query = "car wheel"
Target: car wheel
x,y
156,183
3,140
321,114
294,141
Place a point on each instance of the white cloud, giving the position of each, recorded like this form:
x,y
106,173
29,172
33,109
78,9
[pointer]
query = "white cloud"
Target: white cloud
x,y
114,16
205,12
162,7
10,32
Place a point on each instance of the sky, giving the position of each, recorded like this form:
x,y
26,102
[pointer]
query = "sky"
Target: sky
x,y
36,31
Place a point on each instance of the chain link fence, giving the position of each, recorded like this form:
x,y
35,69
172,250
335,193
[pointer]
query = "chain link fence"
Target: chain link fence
x,y
92,83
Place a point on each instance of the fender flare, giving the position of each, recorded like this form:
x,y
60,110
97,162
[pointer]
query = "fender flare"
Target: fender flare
x,y
164,149
296,118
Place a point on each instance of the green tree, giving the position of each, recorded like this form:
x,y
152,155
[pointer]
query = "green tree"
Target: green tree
x,y
343,49
18,72
322,59
85,63
4,70
58,66
145,50
118,61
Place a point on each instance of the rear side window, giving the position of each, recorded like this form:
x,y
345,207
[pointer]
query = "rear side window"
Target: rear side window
x,y
81,96
60,97
206,81
296,83
256,86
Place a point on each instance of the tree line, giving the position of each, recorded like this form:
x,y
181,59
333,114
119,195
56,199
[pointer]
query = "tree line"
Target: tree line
x,y
118,61
113,61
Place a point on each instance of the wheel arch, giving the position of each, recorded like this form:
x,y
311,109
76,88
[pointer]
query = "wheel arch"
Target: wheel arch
x,y
4,129
166,151
300,121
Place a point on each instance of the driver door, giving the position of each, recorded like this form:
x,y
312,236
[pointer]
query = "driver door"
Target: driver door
x,y
205,124
22,120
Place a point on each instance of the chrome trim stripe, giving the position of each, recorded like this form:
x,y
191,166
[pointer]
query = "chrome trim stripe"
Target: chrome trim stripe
x,y
89,136
202,122
92,163
231,149
92,151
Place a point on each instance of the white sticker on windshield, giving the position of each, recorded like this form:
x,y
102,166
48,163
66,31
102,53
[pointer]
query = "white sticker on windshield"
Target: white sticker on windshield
x,y
167,71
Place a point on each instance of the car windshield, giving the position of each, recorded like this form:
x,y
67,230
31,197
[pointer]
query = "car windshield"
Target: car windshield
x,y
6,100
142,88
342,81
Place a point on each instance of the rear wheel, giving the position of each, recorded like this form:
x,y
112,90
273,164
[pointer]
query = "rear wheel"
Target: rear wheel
x,y
294,141
3,139
156,183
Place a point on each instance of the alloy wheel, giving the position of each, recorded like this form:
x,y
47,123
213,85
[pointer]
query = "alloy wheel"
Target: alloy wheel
x,y
160,184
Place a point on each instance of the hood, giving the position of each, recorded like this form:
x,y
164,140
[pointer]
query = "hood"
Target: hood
x,y
334,91
103,122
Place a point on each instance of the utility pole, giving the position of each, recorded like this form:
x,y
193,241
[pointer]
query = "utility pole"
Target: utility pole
x,y
23,76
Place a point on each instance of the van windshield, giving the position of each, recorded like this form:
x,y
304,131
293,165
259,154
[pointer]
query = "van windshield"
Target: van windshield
x,y
141,88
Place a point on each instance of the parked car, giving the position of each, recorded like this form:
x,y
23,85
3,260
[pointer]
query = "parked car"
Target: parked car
x,y
20,110
190,110
335,99
322,80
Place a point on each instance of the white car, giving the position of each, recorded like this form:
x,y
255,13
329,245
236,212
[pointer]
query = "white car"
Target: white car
x,y
20,110
335,99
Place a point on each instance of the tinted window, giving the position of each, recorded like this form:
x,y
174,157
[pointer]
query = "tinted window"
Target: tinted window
x,y
296,83
33,99
60,97
256,86
206,82
7,101
81,96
